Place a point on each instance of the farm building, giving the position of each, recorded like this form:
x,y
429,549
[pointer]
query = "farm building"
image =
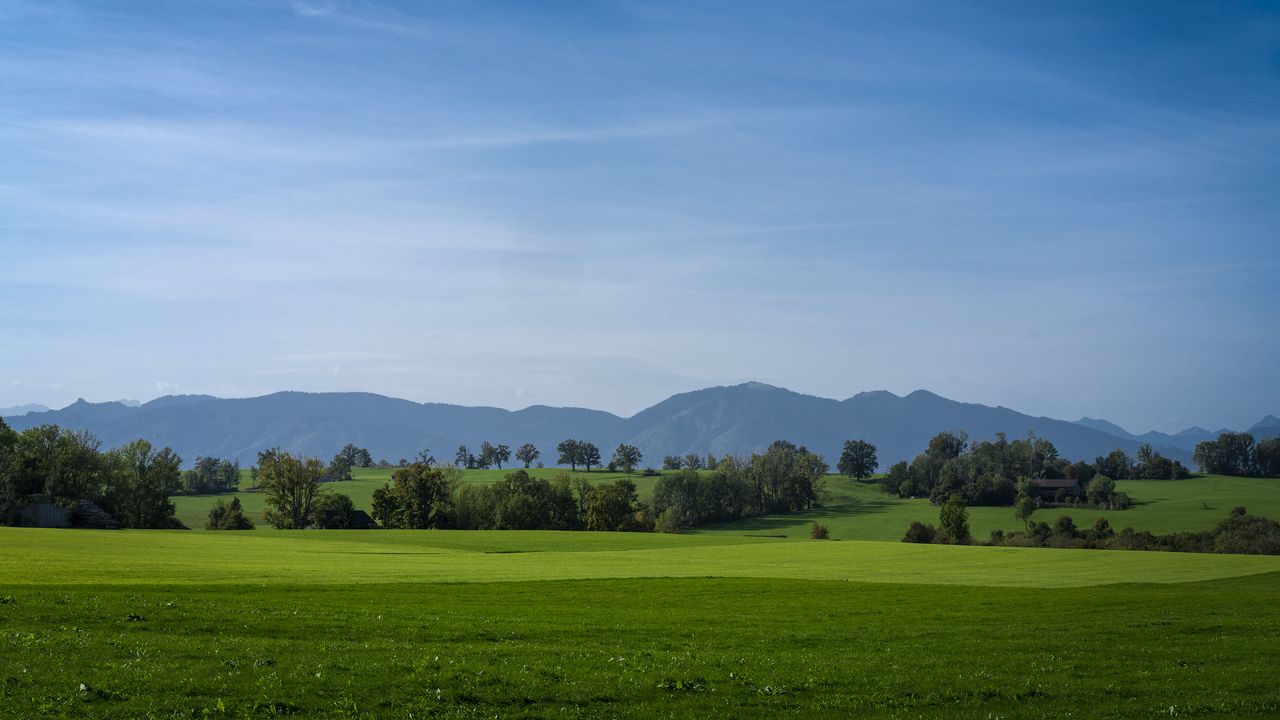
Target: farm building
x,y
1050,487
44,515
85,514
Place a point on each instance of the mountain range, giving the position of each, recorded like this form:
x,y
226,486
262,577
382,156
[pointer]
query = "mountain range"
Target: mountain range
x,y
737,419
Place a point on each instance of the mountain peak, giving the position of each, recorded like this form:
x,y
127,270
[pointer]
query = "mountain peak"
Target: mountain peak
x,y
755,385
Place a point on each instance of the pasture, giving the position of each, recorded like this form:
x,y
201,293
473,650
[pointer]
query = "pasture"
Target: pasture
x,y
171,624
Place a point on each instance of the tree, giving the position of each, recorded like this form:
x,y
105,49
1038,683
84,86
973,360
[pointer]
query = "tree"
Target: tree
x,y
463,458
1023,508
588,455
423,497
486,457
570,453
527,454
501,454
1116,465
385,507
333,511
614,506
142,481
693,461
953,522
339,468
672,462
211,475
858,460
355,456
292,486
1266,458
626,457
424,457
1100,491
228,517
1231,454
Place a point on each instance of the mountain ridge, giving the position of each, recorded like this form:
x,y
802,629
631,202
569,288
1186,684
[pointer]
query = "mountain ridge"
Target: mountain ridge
x,y
732,419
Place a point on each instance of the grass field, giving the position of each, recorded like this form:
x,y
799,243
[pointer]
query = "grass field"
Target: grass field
x,y
744,620
171,624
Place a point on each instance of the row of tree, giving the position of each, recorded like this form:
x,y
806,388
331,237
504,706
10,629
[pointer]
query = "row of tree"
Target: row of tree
x,y
1239,533
46,463
784,478
1000,471
1237,454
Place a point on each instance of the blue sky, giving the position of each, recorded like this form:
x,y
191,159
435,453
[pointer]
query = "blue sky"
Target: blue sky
x,y
1067,212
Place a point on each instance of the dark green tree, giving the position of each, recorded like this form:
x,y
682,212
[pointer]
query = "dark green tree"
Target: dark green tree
x,y
142,481
626,457
570,453
527,454
953,522
292,486
228,517
588,455
858,460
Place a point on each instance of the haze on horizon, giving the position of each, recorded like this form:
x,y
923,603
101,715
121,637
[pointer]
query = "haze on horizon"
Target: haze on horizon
x,y
1064,211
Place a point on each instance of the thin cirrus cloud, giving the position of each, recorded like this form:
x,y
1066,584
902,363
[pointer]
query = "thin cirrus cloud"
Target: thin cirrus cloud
x,y
604,204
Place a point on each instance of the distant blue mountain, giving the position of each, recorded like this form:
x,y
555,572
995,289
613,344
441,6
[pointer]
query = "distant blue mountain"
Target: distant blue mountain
x,y
735,420
21,410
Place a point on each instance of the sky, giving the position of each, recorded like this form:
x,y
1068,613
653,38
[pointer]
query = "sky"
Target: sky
x,y
1068,211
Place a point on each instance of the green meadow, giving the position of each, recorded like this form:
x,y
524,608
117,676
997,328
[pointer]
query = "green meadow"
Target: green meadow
x,y
399,624
746,620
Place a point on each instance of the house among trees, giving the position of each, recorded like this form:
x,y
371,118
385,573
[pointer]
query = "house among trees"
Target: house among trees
x,y
1049,488
85,514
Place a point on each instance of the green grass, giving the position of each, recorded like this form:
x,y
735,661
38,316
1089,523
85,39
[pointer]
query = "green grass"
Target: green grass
x,y
169,624
724,622
379,556
862,511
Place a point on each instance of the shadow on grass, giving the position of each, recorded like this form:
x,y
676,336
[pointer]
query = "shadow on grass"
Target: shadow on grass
x,y
769,523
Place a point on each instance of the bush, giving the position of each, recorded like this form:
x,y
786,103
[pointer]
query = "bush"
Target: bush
x,y
818,532
228,517
920,533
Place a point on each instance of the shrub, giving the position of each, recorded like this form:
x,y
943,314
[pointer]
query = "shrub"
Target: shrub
x,y
818,532
228,517
920,533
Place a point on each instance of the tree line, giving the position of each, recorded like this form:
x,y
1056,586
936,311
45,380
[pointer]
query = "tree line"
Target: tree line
x,y
132,483
1003,472
1237,454
1239,533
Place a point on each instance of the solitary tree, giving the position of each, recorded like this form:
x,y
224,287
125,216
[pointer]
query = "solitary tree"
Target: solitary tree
x,y
858,460
953,520
627,457
693,461
672,462
1023,508
527,454
463,458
